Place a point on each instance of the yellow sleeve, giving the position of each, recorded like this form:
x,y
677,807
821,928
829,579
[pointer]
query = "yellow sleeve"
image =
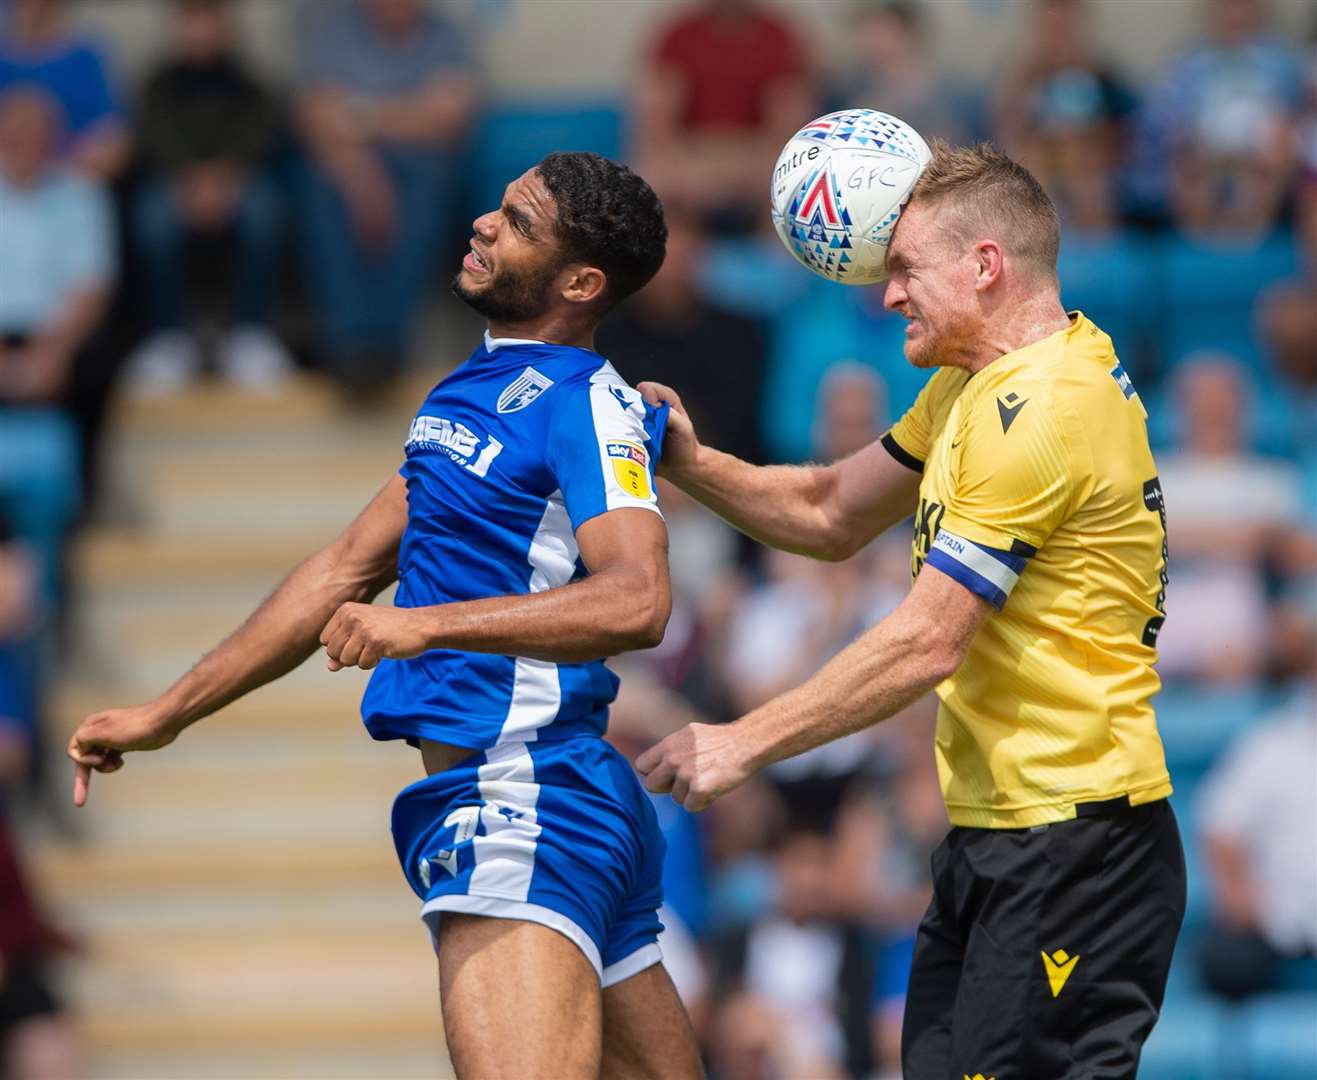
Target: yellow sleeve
x,y
1018,473
909,438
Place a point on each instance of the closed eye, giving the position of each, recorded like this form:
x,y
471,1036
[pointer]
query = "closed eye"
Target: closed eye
x,y
519,221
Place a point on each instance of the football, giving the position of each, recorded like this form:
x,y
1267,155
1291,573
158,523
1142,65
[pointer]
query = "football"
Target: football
x,y
838,189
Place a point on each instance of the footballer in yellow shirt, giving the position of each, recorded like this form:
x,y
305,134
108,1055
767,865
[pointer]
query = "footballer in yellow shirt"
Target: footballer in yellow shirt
x,y
1039,590
1039,494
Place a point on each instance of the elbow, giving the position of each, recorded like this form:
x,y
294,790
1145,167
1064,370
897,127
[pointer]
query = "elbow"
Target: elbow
x,y
937,654
645,619
837,544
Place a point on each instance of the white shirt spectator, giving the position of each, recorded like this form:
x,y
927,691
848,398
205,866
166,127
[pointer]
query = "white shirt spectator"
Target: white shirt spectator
x,y
1262,797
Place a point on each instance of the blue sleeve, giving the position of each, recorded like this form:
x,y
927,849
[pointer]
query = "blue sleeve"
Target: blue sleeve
x,y
603,444
86,90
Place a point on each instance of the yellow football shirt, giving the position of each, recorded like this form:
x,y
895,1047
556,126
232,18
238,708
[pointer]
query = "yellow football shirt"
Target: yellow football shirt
x,y
1040,494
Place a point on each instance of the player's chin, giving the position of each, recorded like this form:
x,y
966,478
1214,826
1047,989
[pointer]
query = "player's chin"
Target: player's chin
x,y
918,354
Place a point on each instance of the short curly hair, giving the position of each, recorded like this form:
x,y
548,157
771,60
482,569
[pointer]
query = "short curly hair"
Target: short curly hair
x,y
607,217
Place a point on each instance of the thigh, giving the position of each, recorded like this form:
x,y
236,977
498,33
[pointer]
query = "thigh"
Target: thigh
x,y
935,973
1066,963
518,1000
647,1035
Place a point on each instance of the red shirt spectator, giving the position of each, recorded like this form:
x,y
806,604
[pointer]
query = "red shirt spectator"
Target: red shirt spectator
x,y
729,62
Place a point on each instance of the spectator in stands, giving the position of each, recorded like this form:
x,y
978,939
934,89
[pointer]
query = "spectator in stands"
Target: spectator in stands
x,y
849,413
205,129
801,965
37,46
671,333
36,1038
56,272
892,68
723,88
1216,144
1288,324
1229,510
384,92
1259,822
1062,112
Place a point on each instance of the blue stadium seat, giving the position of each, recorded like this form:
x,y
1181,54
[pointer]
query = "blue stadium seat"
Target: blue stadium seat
x,y
1198,905
1107,279
511,136
1187,1042
1198,722
827,324
1207,294
752,276
40,487
1281,1037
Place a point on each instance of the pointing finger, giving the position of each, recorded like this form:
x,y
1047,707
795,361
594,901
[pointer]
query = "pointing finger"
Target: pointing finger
x,y
81,784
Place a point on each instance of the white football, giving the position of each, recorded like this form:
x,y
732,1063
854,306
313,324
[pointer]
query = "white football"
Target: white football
x,y
838,189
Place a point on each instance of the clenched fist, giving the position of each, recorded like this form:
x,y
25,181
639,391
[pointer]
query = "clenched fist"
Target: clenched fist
x,y
696,764
360,635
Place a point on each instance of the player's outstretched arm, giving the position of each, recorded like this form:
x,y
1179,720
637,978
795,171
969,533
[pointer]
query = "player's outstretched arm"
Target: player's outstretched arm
x,y
902,658
624,604
824,511
278,636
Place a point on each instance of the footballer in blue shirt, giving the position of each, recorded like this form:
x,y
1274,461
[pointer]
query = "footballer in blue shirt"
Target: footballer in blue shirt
x,y
523,531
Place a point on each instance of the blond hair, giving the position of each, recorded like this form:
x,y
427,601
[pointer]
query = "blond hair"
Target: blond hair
x,y
990,195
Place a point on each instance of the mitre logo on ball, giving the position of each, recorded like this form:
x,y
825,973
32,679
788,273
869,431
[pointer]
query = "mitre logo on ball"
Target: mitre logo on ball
x,y
838,189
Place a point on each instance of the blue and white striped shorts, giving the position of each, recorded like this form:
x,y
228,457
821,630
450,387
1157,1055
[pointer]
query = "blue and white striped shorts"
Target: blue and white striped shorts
x,y
559,833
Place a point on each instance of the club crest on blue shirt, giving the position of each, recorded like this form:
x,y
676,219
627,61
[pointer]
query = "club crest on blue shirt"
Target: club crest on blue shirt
x,y
522,390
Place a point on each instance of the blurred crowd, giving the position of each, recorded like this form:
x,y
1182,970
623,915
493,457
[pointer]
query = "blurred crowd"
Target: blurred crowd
x,y
209,223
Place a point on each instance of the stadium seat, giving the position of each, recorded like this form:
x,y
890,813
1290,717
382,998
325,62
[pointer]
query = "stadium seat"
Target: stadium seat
x,y
1187,1042
1281,1037
1198,905
1198,722
511,136
752,276
39,483
1207,294
825,325
1107,279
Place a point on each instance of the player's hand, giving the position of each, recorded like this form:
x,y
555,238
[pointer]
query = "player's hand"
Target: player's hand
x,y
360,635
680,443
696,764
104,737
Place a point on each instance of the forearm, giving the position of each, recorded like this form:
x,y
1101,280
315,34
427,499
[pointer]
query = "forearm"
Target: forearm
x,y
875,677
276,638
589,619
782,506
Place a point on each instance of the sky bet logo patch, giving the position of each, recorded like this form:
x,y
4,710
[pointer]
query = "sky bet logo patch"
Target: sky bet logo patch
x,y
630,467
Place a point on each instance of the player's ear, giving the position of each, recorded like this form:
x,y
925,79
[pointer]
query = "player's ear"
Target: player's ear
x,y
583,284
990,259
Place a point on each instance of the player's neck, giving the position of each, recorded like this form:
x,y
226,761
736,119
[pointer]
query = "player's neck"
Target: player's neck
x,y
551,331
1019,326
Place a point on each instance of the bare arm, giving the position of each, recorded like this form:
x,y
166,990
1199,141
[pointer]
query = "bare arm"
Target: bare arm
x,y
278,636
824,511
902,658
623,604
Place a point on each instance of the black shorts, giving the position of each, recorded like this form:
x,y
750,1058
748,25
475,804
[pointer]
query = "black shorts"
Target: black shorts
x,y
1044,953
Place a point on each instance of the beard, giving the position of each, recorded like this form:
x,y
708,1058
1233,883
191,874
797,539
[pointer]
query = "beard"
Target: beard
x,y
936,347
509,296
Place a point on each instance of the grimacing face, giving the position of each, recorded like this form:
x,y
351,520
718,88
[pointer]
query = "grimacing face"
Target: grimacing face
x,y
931,280
508,274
